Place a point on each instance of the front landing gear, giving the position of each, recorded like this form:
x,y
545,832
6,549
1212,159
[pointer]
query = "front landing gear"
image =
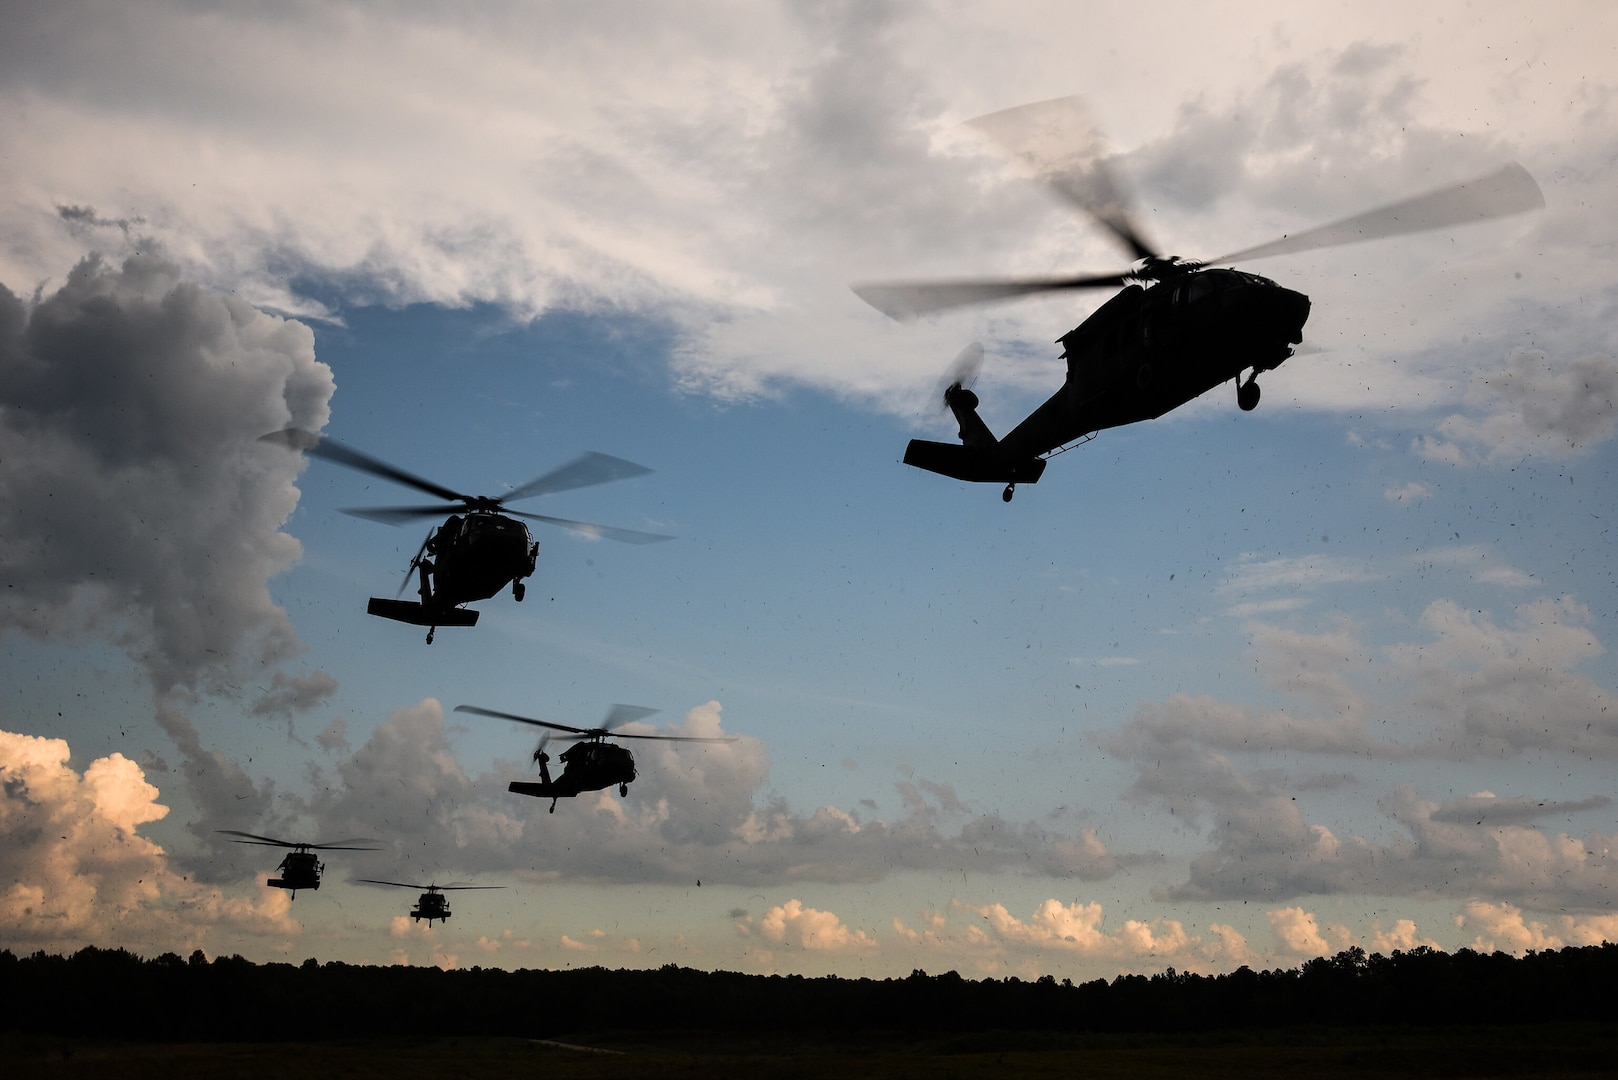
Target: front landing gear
x,y
1011,489
1247,393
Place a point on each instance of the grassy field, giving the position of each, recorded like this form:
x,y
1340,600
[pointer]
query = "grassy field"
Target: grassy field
x,y
1538,1051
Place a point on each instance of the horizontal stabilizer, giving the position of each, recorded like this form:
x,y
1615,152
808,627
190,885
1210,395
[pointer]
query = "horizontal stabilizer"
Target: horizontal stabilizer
x,y
409,611
972,463
532,787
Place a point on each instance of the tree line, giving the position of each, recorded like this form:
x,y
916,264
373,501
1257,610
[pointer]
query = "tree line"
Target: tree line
x,y
116,994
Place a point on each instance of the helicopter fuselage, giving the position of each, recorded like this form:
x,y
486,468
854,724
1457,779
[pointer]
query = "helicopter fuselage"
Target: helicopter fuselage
x,y
591,765
1143,353
476,555
299,870
430,905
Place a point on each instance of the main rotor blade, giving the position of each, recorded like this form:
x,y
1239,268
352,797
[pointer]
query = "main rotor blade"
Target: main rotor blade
x,y
351,844
400,515
463,888
1060,145
906,300
496,714
254,838
585,471
605,532
679,738
619,715
400,884
321,447
1508,190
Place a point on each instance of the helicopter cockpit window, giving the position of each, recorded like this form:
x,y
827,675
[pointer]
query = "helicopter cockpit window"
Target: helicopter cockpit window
x,y
1199,286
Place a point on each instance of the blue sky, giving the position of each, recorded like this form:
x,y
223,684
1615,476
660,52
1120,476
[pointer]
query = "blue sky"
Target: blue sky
x,y
1222,688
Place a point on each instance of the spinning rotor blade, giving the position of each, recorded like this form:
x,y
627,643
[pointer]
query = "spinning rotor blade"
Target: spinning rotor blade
x,y
318,446
401,515
907,300
619,715
270,841
1508,190
496,714
1059,144
962,371
254,838
585,471
604,532
680,738
439,888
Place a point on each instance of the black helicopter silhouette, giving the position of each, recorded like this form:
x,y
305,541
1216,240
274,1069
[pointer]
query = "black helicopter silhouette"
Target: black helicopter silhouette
x,y
590,764
481,547
301,869
1176,330
432,904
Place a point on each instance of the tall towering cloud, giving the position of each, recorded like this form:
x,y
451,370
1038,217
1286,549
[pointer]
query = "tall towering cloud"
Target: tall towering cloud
x,y
136,505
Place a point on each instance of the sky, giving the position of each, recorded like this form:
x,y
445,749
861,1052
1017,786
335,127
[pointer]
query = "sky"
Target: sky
x,y
1223,688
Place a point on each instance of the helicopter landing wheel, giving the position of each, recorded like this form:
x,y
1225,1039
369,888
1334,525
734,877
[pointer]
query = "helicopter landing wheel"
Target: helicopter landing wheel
x,y
430,634
518,591
1011,489
623,791
1247,394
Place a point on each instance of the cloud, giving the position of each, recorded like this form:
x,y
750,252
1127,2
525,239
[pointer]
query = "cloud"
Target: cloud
x,y
137,506
1502,927
1533,405
1401,938
78,872
806,928
293,694
1076,930
1489,809
693,813
1299,932
1467,687
730,179
1299,573
1409,494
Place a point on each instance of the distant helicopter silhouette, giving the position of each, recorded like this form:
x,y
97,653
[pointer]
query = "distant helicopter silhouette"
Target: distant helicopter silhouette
x,y
301,869
1177,328
432,904
591,764
481,547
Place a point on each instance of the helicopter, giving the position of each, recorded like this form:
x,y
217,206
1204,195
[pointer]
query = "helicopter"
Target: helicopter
x,y
590,764
432,904
1176,329
301,869
481,547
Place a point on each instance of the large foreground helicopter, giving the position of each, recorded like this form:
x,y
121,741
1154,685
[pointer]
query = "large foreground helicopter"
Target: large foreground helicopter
x,y
590,764
481,547
301,869
1177,329
432,904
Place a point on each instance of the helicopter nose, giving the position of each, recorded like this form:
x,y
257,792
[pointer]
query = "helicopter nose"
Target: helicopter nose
x,y
1291,311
